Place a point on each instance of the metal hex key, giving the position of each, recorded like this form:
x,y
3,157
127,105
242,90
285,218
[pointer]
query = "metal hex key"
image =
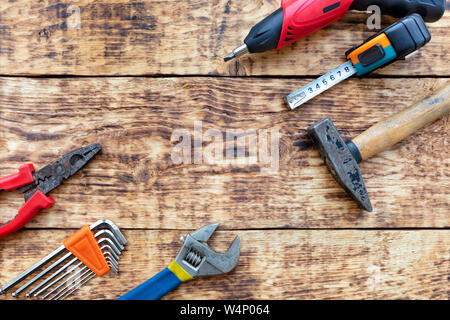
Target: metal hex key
x,y
66,269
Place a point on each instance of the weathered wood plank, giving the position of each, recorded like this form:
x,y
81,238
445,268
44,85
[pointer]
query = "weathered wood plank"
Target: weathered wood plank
x,y
274,264
135,181
119,37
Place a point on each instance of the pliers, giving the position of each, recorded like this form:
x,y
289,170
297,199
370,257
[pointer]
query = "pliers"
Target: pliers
x,y
35,185
195,259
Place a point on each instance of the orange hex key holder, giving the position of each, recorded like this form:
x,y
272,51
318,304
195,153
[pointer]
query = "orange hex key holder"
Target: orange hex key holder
x,y
92,250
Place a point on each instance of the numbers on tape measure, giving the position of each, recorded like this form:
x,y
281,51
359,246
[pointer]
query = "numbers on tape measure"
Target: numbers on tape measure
x,y
320,85
328,77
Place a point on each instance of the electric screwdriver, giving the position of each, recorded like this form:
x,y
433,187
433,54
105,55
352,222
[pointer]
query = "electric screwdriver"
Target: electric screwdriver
x,y
296,19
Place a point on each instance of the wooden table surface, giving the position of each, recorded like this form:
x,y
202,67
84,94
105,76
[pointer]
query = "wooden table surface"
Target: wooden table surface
x,y
128,74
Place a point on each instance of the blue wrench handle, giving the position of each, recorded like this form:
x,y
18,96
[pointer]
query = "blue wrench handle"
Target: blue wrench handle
x,y
154,288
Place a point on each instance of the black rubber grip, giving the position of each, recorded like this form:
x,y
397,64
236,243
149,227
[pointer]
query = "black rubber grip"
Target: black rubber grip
x,y
430,10
265,35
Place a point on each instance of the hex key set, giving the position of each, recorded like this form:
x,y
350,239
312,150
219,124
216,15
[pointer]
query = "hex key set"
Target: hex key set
x,y
91,251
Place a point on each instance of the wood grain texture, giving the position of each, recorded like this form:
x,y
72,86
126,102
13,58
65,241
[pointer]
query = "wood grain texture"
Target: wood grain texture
x,y
134,180
274,264
120,37
301,236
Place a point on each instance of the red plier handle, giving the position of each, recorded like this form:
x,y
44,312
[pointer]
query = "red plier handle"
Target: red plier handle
x,y
37,201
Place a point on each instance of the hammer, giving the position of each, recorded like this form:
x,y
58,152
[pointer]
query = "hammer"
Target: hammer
x,y
342,158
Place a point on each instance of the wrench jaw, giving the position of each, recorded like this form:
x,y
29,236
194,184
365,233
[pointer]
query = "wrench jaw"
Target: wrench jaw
x,y
198,259
204,233
229,259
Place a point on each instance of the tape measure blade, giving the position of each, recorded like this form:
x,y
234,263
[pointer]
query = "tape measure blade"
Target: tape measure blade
x,y
321,84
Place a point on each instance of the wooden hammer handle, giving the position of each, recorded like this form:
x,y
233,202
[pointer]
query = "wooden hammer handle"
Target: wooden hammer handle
x,y
388,132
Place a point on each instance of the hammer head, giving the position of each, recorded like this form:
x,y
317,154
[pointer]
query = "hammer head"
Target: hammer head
x,y
340,161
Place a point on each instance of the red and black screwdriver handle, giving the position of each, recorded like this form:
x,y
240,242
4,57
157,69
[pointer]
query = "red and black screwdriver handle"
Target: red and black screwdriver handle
x,y
299,18
32,206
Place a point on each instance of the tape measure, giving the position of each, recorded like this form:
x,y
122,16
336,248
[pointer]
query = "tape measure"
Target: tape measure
x,y
320,85
395,42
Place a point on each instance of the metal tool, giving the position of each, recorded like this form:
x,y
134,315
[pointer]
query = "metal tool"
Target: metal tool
x,y
195,259
35,185
400,40
342,158
92,250
298,18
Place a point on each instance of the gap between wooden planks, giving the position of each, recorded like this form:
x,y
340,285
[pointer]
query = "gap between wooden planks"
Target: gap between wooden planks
x,y
118,37
274,264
